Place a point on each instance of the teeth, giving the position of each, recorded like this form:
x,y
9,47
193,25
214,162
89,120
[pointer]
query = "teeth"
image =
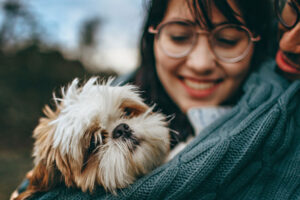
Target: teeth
x,y
197,85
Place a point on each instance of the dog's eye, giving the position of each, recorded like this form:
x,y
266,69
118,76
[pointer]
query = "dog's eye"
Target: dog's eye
x,y
133,109
94,142
128,112
97,139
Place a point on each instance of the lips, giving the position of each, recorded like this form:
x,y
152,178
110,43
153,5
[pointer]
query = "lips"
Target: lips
x,y
285,64
198,85
200,88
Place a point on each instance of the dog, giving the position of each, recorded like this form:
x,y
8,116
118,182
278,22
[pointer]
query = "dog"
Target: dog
x,y
99,134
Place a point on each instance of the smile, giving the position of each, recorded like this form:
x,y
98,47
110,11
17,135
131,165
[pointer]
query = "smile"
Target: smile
x,y
285,65
198,85
200,89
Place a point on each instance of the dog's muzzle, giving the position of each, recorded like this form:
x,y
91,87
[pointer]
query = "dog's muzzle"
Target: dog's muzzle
x,y
122,130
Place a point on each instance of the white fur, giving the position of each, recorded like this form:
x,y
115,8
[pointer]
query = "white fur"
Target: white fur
x,y
98,104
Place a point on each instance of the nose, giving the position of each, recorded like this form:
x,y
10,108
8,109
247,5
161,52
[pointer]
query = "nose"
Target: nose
x,y
122,130
201,58
290,41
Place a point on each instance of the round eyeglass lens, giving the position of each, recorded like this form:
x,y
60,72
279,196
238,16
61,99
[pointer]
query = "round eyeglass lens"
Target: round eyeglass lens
x,y
176,39
287,12
230,42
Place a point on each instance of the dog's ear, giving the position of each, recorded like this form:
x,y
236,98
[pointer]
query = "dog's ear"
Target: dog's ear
x,y
43,135
46,155
45,174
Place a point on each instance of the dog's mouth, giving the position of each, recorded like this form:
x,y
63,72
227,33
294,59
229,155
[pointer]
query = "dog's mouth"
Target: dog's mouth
x,y
125,133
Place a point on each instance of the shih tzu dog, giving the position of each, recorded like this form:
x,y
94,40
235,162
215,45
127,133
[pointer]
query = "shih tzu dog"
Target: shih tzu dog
x,y
99,134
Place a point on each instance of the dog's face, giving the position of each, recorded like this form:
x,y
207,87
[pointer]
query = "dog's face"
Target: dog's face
x,y
99,135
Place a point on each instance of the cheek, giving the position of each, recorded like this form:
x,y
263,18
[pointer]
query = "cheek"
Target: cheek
x,y
166,67
237,72
164,62
240,69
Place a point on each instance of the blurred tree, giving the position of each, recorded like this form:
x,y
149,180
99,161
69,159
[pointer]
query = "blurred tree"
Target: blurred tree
x,y
29,73
89,30
19,25
88,38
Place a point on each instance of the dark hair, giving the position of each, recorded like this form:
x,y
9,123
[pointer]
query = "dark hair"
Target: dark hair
x,y
257,15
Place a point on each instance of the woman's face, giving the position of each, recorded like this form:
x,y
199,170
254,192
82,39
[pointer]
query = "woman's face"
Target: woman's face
x,y
288,57
198,79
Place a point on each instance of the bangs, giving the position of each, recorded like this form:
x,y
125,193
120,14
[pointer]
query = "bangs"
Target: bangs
x,y
202,12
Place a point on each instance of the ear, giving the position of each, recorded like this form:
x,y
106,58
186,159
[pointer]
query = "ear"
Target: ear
x,y
47,158
44,129
45,174
44,135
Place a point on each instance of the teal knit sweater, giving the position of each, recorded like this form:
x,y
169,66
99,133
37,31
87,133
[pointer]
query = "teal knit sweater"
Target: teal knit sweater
x,y
252,152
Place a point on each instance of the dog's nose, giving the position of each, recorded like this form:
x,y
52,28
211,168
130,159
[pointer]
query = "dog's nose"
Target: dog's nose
x,y
122,130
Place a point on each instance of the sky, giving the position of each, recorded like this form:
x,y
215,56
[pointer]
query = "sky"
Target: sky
x,y
120,31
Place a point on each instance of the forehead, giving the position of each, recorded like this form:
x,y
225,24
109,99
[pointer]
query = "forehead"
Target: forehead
x,y
180,10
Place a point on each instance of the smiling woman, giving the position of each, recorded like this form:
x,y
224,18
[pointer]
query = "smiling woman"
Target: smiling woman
x,y
199,53
194,79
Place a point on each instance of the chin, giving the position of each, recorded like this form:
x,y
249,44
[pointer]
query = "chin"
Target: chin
x,y
97,135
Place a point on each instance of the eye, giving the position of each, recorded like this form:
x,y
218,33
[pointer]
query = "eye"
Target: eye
x,y
221,41
93,137
94,140
181,38
94,143
127,112
131,108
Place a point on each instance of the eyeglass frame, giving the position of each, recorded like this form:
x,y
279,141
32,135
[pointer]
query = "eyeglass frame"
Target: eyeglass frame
x,y
293,4
210,34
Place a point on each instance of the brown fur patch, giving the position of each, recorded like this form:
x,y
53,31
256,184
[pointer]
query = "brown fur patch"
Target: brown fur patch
x,y
45,175
64,164
132,108
90,142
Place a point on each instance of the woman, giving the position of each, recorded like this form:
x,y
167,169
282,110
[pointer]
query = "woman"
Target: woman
x,y
288,55
210,53
166,84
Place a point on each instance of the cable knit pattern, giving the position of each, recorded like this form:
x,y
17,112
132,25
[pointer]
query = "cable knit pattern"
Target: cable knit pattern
x,y
252,152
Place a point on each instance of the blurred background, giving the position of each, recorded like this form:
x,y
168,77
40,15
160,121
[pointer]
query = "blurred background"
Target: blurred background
x,y
44,44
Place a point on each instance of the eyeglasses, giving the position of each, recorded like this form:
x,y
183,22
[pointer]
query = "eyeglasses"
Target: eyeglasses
x,y
290,17
229,42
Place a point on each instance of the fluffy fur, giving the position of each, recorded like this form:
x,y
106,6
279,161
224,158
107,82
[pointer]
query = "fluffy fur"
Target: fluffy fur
x,y
79,145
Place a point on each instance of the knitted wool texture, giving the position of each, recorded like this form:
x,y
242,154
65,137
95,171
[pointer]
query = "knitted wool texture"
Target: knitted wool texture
x,y
252,152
